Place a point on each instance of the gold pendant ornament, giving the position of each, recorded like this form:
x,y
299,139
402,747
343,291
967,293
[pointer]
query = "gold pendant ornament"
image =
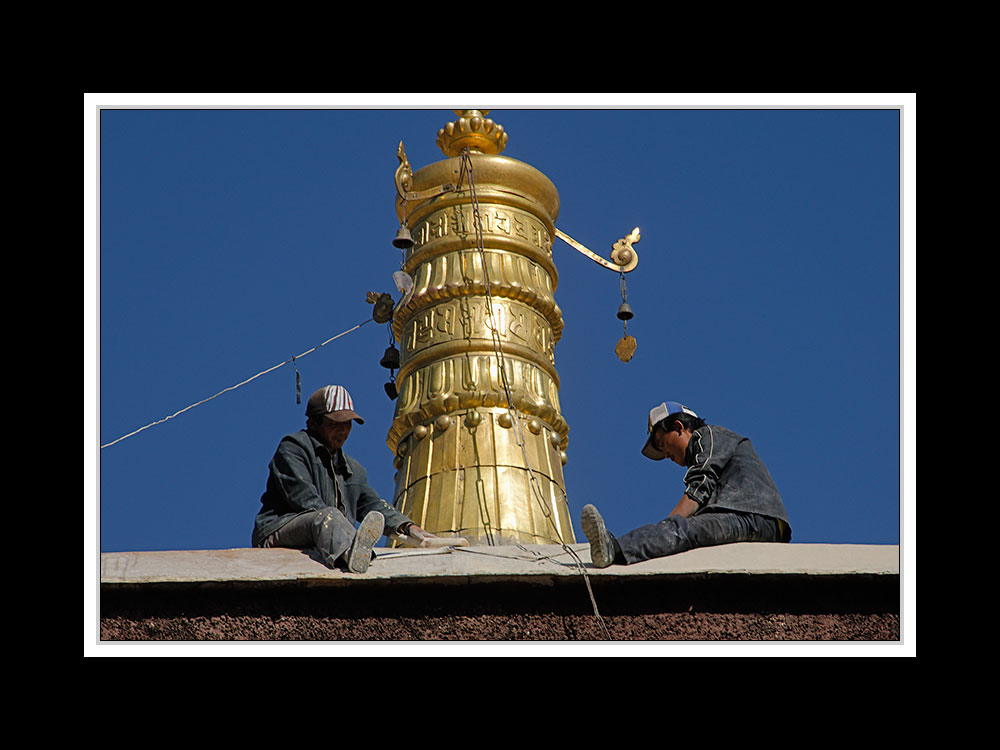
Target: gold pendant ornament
x,y
625,348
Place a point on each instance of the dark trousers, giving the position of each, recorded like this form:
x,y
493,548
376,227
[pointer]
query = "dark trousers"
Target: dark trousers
x,y
707,529
328,531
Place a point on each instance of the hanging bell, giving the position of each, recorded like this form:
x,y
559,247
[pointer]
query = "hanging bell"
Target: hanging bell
x,y
625,312
390,360
403,240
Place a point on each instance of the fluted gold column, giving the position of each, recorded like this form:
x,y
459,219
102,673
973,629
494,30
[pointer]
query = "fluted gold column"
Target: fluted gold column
x,y
460,467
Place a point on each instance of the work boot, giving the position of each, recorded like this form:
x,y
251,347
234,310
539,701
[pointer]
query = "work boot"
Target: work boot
x,y
360,555
602,544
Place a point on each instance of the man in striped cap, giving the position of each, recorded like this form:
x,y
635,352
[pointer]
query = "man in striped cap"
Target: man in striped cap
x,y
729,495
316,493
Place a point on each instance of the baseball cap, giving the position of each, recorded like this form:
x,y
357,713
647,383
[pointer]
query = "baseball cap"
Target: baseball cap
x,y
335,401
656,415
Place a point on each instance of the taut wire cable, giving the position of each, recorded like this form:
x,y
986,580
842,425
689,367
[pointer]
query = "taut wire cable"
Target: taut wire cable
x,y
234,387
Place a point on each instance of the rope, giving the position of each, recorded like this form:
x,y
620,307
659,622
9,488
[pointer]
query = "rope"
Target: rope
x,y
466,168
234,387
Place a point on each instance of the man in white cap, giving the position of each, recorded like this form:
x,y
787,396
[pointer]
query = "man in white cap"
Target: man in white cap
x,y
316,493
729,494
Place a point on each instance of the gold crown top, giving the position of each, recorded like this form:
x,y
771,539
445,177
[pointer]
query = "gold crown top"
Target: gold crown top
x,y
473,130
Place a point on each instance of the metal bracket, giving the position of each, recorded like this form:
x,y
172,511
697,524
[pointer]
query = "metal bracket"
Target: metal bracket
x,y
419,195
404,181
623,255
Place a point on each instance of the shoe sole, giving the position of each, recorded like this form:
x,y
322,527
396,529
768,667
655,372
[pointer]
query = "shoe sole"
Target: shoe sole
x,y
596,533
369,531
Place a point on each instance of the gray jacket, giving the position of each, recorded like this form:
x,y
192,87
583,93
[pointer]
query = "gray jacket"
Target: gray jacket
x,y
304,475
725,472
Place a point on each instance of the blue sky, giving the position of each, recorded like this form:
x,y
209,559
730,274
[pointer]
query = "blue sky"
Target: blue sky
x,y
767,297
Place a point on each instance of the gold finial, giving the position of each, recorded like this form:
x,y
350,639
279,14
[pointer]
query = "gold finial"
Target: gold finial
x,y
404,174
622,252
473,130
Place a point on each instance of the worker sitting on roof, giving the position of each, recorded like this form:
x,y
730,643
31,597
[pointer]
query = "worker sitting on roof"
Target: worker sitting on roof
x,y
316,492
729,494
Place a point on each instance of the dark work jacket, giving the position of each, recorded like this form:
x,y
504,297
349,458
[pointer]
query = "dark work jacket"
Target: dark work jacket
x,y
302,477
725,473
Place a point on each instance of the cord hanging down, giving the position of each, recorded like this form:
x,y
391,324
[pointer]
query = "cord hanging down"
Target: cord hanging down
x,y
467,172
234,387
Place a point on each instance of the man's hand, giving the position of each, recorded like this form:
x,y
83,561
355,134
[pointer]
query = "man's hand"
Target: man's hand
x,y
418,534
414,536
686,507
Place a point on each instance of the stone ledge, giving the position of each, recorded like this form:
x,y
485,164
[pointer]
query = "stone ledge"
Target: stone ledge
x,y
526,563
